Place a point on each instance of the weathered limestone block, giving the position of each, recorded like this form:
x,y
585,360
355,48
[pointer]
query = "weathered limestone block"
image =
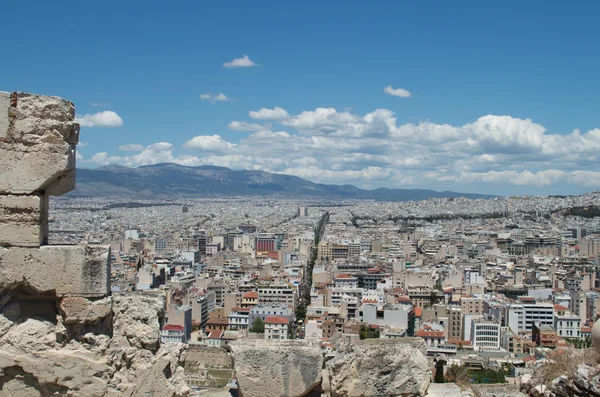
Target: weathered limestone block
x,y
64,270
33,362
38,135
28,170
276,368
137,317
447,390
4,105
24,220
381,367
38,119
78,310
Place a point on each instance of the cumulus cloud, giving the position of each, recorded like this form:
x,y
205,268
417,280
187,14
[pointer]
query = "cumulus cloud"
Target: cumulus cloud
x,y
106,118
208,143
243,62
400,92
102,159
374,149
131,147
220,97
276,113
244,126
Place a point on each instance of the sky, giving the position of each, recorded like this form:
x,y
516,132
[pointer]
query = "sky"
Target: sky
x,y
488,97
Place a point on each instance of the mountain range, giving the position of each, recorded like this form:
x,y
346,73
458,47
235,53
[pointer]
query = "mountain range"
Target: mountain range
x,y
168,180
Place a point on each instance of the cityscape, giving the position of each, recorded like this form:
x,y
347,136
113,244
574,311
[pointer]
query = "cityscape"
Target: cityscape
x,y
300,199
486,283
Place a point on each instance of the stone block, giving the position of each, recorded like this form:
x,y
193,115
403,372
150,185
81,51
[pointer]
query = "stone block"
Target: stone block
x,y
387,367
45,169
63,270
79,310
38,135
276,367
39,119
4,105
24,220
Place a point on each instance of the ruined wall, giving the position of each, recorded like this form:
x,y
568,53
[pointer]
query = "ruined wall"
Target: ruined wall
x,y
60,330
208,357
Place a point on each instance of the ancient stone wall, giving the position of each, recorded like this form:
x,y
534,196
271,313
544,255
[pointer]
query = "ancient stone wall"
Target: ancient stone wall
x,y
61,333
208,357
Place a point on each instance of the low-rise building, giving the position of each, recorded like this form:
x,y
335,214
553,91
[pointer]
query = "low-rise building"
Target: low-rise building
x,y
277,328
172,333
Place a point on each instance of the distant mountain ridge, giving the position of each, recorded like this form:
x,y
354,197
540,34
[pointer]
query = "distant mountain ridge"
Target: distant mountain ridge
x,y
168,180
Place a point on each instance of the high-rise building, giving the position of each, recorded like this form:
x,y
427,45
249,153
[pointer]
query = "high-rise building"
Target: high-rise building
x,y
202,241
265,243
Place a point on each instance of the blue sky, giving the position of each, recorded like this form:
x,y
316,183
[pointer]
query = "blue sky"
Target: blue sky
x,y
497,89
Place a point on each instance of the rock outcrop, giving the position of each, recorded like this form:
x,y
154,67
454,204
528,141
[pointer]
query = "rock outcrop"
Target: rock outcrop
x,y
381,367
61,333
584,382
104,348
276,368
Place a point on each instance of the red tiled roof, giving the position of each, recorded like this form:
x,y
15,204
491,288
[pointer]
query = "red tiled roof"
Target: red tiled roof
x,y
344,276
560,308
216,334
240,309
460,342
276,320
429,334
418,311
217,322
369,300
172,327
250,295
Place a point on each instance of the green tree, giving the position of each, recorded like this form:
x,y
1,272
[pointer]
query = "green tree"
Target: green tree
x,y
368,332
439,372
258,326
301,312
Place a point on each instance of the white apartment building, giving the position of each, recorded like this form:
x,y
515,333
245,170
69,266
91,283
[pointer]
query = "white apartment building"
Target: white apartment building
x,y
521,317
277,328
277,293
567,324
344,280
238,319
337,294
387,315
172,333
485,333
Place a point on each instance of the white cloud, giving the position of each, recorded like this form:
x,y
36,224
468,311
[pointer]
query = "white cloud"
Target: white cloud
x,y
106,118
400,92
208,143
331,146
265,134
102,158
276,113
160,147
220,97
131,147
244,126
243,62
